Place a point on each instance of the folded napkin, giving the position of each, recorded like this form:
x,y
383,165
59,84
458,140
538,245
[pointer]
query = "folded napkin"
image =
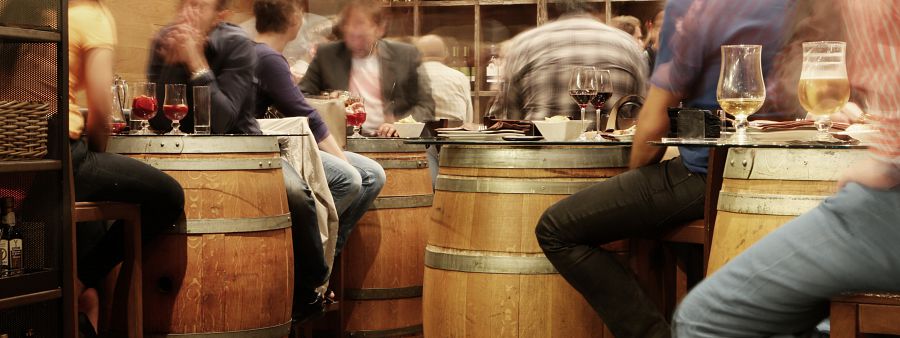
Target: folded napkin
x,y
790,125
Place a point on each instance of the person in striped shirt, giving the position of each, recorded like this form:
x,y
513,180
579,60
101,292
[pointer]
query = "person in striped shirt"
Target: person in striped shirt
x,y
782,285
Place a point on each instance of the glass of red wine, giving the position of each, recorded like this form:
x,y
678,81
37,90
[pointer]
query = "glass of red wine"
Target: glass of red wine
x,y
143,104
604,92
583,87
175,107
356,113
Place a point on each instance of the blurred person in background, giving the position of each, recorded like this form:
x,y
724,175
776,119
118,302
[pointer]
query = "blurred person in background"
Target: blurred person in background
x,y
449,88
384,73
354,180
101,176
652,40
655,196
781,286
200,49
539,64
630,25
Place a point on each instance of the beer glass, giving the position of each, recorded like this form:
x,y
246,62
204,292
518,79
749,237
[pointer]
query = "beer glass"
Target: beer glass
x,y
824,87
741,90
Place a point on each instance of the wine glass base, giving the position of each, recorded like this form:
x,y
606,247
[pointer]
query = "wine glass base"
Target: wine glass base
x,y
356,135
738,138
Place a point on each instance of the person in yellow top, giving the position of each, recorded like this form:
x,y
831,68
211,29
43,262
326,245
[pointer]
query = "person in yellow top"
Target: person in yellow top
x,y
101,176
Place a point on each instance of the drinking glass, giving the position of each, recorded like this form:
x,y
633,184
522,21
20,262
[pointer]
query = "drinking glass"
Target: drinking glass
x,y
143,104
175,106
741,90
824,87
583,88
356,113
201,110
604,92
120,109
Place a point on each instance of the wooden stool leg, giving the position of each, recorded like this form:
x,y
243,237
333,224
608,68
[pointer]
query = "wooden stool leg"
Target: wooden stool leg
x,y
843,320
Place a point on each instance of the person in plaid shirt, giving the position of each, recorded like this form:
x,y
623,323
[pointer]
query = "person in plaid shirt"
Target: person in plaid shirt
x,y
539,63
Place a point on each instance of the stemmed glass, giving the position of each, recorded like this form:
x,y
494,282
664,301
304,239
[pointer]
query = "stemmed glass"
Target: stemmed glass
x,y
824,87
143,104
742,90
604,92
583,88
175,107
356,113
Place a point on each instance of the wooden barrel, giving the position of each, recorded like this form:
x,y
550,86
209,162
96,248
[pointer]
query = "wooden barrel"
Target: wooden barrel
x,y
228,269
383,257
765,188
485,275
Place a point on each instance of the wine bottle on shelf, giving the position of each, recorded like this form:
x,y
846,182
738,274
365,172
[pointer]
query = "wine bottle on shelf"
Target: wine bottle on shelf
x,y
4,244
469,69
14,239
492,70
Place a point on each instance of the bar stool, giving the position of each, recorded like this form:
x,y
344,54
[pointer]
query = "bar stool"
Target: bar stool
x,y
680,270
855,314
127,316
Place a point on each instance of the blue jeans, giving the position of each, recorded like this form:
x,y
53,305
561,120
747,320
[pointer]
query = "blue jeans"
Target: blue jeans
x,y
354,186
782,284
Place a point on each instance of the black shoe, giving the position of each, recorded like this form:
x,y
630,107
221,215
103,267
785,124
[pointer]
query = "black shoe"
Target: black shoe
x,y
306,312
85,328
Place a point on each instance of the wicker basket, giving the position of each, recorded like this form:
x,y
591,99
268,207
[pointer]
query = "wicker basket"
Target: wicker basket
x,y
23,130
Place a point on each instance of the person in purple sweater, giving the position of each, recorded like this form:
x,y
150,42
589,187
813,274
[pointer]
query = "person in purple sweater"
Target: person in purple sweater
x,y
354,180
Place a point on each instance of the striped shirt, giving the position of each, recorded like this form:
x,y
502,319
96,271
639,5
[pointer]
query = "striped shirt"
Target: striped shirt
x,y
873,62
450,90
539,63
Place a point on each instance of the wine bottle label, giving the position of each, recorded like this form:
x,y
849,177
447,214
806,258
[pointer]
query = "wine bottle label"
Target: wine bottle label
x,y
4,257
15,255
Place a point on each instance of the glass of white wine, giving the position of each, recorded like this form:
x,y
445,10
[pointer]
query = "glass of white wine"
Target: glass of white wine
x,y
824,87
742,90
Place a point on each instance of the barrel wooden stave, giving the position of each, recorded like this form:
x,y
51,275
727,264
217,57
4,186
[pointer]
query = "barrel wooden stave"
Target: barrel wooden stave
x,y
508,304
763,189
385,250
219,282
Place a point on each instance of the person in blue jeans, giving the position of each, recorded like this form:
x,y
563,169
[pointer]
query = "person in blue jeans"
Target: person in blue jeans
x,y
654,197
781,286
354,180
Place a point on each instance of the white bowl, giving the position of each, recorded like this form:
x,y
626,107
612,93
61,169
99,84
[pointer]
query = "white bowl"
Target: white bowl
x,y
556,131
407,130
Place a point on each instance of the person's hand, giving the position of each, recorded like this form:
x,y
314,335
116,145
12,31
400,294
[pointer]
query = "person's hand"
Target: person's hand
x,y
386,130
872,173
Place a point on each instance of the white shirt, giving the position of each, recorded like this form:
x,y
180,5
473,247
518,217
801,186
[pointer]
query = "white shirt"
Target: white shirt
x,y
451,92
365,80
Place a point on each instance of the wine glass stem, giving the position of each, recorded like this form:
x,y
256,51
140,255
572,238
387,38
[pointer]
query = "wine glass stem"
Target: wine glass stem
x,y
144,125
583,121
823,123
740,127
175,127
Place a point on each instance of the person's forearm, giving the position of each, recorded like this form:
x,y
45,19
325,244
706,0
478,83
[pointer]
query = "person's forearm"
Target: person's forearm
x,y
329,145
653,124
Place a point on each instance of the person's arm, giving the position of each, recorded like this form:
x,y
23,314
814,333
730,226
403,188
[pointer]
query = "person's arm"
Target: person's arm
x,y
329,145
231,85
470,112
653,124
98,72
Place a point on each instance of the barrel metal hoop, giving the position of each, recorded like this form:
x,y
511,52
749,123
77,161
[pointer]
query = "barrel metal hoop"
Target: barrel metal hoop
x,y
402,164
487,262
534,157
383,293
513,185
401,202
192,145
767,204
276,331
232,225
217,164
403,331
383,145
